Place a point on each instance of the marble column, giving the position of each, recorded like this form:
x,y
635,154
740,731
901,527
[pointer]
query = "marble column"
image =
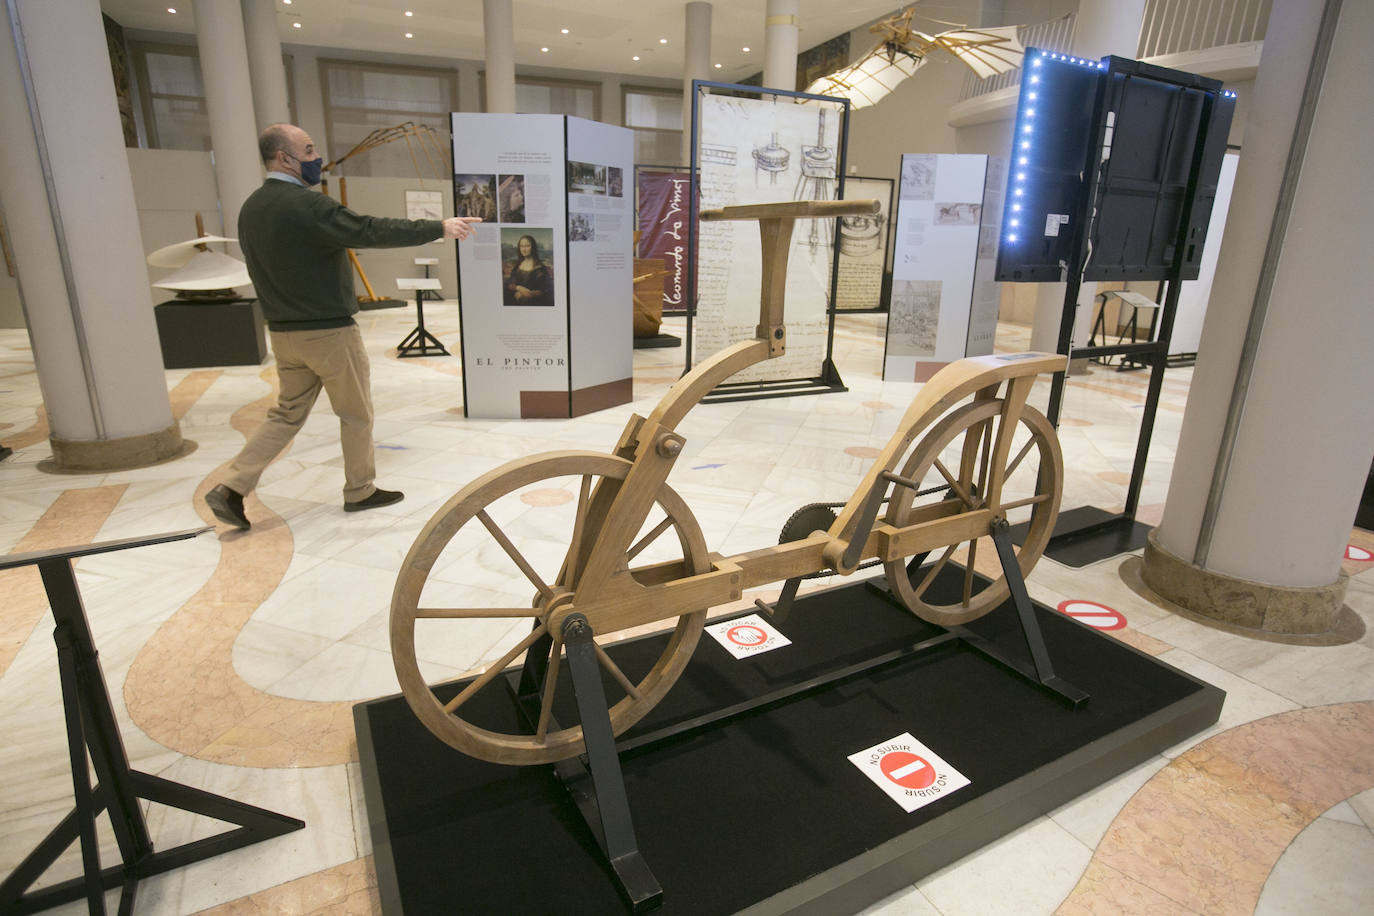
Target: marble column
x,y
1277,437
1101,27
265,62
69,202
780,45
229,103
498,30
696,64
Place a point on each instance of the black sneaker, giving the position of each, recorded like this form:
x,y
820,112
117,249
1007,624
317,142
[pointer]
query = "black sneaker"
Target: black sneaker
x,y
227,506
379,497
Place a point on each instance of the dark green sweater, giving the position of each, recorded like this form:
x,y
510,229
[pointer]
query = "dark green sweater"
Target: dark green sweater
x,y
296,244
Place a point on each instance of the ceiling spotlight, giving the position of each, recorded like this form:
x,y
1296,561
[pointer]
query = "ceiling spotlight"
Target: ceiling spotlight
x,y
636,57
663,41
171,9
718,66
564,31
745,50
410,12
410,34
287,2
295,25
544,50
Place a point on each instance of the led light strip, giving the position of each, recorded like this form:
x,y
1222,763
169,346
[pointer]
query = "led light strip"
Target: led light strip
x,y
1025,130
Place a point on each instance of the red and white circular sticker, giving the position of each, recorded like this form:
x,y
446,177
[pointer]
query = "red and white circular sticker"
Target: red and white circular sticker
x,y
1358,553
907,770
1093,614
746,635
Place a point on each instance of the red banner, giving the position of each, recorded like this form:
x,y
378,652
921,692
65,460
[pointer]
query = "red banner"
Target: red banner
x,y
664,212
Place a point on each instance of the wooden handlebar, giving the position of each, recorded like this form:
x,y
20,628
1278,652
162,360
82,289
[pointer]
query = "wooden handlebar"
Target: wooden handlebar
x,y
795,209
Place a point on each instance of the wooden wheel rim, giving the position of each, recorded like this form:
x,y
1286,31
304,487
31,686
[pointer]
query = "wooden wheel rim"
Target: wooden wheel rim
x,y
1050,481
462,508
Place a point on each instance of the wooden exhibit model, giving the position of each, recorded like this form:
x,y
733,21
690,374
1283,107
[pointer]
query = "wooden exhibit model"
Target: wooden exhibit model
x,y
967,453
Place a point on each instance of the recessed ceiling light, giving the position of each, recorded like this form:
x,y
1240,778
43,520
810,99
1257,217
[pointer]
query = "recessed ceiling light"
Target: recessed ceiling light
x,y
718,66
410,34
564,31
544,50
663,41
287,2
171,9
745,50
295,25
409,13
636,57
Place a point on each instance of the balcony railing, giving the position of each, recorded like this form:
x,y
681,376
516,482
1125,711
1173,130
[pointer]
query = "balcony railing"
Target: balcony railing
x,y
1179,26
1166,27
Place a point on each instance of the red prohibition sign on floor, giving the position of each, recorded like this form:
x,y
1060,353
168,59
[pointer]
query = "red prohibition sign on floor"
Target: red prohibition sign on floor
x,y
746,634
1358,553
907,770
1093,614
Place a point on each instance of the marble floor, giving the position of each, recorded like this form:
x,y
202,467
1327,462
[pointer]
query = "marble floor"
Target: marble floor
x,y
233,659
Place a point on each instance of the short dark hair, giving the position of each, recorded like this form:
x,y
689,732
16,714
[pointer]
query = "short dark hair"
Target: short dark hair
x,y
272,139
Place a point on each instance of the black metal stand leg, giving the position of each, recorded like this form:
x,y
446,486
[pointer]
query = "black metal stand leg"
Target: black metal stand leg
x,y
617,837
1025,611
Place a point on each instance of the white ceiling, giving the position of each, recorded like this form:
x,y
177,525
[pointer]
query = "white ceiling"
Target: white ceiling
x,y
603,34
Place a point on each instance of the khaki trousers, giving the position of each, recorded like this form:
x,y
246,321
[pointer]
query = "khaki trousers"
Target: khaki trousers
x,y
332,359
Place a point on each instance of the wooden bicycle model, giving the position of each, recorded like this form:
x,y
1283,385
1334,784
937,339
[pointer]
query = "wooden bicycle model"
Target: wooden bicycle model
x,y
613,567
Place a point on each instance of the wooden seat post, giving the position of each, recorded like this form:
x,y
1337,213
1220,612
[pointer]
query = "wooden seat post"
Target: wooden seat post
x,y
775,233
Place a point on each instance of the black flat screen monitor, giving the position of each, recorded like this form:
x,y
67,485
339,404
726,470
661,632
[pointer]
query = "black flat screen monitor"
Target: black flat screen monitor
x,y
1110,146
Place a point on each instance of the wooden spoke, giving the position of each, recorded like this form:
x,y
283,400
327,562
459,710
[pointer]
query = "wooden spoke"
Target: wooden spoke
x,y
473,613
1015,462
985,469
649,538
579,527
968,572
1028,501
954,485
494,669
935,570
614,669
514,554
541,731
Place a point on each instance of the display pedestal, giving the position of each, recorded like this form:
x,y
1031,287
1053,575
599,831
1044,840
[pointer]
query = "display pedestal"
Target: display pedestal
x,y
766,811
199,334
93,732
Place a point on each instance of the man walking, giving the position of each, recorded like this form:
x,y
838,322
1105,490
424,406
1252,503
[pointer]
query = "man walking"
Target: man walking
x,y
296,243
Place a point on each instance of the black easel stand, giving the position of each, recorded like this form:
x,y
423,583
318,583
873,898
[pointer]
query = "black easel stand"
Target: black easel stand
x,y
420,342
597,786
92,729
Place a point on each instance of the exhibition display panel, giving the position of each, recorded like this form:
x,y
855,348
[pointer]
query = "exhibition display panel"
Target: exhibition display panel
x,y
944,298
545,282
755,146
865,248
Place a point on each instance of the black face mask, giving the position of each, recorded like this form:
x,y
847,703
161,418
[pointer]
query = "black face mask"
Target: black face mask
x,y
310,169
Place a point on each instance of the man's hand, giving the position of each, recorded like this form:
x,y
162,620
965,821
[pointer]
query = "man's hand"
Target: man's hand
x,y
459,227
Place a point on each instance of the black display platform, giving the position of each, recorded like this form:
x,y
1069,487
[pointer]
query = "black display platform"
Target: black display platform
x,y
657,340
199,334
1087,534
765,813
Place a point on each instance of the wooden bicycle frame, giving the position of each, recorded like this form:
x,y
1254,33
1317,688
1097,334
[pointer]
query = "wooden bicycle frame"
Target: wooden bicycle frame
x,y
596,575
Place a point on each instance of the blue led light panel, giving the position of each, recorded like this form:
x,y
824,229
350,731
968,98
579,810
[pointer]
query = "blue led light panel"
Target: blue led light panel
x,y
1046,190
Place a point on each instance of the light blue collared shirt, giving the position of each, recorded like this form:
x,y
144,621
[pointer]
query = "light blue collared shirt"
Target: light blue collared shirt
x,y
282,176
